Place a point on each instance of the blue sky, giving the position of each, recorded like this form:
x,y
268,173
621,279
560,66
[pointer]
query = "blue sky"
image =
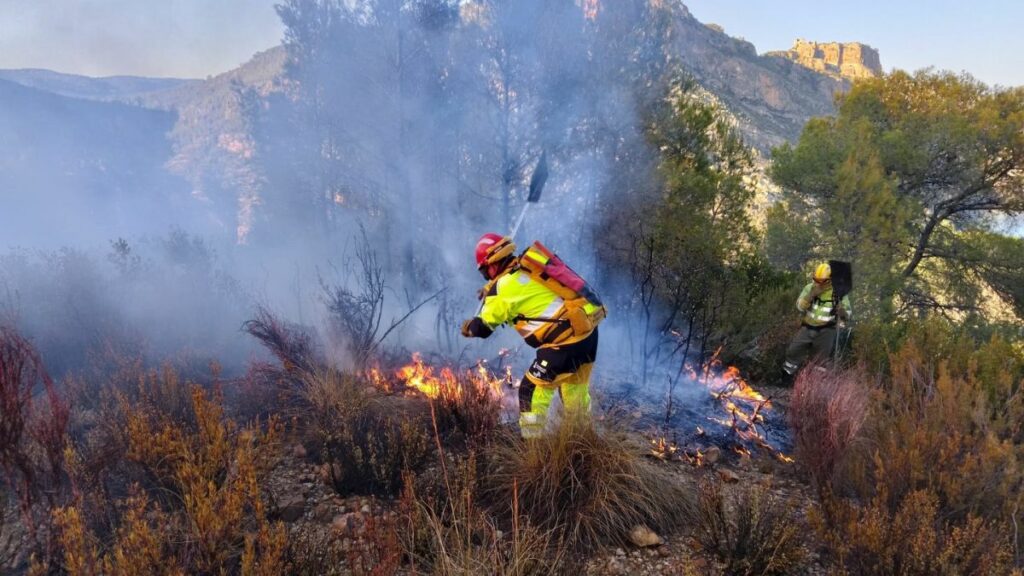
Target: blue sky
x,y
194,38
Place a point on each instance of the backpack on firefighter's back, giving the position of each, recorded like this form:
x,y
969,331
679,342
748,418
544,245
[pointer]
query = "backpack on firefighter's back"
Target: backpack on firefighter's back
x,y
583,308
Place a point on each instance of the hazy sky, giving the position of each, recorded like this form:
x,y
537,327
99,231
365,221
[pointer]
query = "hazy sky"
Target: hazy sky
x,y
194,38
184,38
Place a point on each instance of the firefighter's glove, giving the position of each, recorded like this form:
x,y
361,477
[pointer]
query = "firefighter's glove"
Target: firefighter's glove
x,y
476,328
841,312
817,289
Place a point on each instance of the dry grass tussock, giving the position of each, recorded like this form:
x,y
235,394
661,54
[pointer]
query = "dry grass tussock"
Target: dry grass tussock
x,y
590,487
364,443
752,531
448,533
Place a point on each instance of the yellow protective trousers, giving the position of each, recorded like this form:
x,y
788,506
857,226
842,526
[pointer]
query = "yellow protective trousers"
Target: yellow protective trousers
x,y
575,391
563,370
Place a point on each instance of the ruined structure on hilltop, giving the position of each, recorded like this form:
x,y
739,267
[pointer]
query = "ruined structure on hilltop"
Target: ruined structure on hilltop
x,y
849,60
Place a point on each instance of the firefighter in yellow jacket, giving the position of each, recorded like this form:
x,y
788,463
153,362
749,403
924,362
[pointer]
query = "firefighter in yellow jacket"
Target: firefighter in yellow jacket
x,y
817,335
562,328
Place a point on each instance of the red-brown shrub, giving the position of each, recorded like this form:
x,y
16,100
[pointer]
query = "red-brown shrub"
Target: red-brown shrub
x,y
871,539
934,487
827,411
33,432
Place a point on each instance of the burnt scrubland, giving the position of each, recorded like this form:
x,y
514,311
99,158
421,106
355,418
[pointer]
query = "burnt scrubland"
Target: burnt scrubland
x,y
290,395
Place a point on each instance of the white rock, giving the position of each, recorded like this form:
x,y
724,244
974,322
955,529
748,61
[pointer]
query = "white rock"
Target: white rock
x,y
641,536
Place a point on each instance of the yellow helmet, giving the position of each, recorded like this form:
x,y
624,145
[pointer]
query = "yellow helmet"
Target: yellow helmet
x,y
823,273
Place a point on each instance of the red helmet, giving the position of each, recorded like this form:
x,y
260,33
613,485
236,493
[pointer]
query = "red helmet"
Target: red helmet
x,y
493,248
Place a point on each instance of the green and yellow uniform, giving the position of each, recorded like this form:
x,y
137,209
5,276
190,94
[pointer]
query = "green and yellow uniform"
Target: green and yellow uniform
x,y
817,335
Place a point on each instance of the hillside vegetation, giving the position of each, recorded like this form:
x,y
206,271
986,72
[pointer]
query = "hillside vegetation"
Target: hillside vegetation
x,y
142,432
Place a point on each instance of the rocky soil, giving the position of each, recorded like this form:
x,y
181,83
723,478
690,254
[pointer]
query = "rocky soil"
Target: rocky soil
x,y
348,527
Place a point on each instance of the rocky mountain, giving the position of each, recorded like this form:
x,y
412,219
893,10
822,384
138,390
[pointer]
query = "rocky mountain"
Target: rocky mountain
x,y
98,165
212,141
771,97
850,60
198,128
100,136
111,88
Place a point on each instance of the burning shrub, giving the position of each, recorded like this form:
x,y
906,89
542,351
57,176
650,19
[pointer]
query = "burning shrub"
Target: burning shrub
x,y
465,401
471,408
590,488
753,532
826,411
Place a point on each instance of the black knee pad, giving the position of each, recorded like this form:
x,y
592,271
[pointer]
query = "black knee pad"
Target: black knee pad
x,y
526,394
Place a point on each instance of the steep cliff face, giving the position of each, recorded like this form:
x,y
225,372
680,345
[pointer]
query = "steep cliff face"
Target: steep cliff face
x,y
772,98
850,60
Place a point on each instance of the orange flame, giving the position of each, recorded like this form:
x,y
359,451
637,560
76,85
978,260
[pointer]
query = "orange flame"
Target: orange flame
x,y
376,377
432,383
744,406
662,449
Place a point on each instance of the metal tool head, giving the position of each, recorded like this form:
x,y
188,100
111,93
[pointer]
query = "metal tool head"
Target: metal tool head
x,y
842,277
540,176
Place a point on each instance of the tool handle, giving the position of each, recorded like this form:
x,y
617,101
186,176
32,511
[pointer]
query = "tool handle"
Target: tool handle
x,y
519,222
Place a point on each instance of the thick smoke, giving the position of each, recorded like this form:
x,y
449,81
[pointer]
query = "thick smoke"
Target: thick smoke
x,y
403,130
422,121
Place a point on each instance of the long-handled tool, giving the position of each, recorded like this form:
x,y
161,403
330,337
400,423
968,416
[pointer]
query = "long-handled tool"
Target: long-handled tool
x,y
540,176
537,180
842,284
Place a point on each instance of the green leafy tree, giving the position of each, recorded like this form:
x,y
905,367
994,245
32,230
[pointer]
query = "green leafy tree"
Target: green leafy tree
x,y
909,180
686,233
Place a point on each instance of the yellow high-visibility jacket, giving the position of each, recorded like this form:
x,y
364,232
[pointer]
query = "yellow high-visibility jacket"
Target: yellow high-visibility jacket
x,y
820,311
537,313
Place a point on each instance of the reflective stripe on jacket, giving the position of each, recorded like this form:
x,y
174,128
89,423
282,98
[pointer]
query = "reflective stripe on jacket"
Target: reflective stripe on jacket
x,y
516,295
820,312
